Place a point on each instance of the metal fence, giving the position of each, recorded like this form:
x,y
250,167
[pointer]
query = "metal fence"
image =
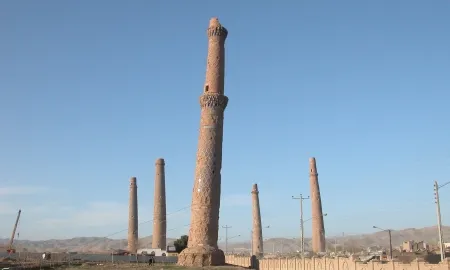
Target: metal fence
x,y
97,258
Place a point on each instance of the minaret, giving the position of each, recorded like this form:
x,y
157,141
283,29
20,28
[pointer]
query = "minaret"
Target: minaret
x,y
159,207
133,218
318,228
257,239
202,247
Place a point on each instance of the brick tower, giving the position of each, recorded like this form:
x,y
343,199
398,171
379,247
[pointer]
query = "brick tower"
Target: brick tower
x,y
133,218
257,238
202,248
159,207
318,228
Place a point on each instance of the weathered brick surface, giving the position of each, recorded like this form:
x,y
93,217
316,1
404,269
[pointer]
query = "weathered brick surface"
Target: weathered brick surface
x,y
133,217
159,207
257,238
318,228
203,234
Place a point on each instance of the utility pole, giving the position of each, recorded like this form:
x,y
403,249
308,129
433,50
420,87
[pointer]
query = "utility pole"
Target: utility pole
x,y
343,242
390,244
302,235
390,239
335,245
226,237
439,223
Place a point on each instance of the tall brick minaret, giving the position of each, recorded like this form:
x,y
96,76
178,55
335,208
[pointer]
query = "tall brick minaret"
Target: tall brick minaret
x,y
133,218
159,207
202,248
318,228
257,238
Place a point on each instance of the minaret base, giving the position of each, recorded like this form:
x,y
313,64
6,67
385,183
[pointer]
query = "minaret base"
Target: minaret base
x,y
259,255
201,256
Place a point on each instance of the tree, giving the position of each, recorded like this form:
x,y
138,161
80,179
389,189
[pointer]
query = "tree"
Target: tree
x,y
181,243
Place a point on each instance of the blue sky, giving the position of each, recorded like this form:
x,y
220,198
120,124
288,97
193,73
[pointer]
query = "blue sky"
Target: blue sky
x,y
93,92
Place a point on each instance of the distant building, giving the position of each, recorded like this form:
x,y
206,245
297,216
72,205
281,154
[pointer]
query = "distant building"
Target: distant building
x,y
151,252
421,246
412,246
408,246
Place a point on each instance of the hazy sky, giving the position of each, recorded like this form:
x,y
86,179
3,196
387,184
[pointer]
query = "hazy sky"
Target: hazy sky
x,y
93,92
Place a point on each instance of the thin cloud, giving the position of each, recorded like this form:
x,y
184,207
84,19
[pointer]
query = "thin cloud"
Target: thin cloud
x,y
99,214
21,190
106,215
53,219
96,214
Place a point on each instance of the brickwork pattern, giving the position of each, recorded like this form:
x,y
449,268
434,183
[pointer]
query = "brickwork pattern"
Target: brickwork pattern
x,y
332,264
318,227
257,238
133,217
159,207
202,247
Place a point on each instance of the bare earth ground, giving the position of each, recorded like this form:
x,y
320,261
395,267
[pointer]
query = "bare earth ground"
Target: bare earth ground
x,y
145,266
107,266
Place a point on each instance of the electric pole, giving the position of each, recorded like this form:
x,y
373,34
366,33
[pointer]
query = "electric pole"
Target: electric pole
x,y
343,242
302,236
226,227
439,223
335,245
390,239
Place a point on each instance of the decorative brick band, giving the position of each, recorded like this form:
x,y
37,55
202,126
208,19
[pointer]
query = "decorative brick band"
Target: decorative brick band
x,y
213,101
217,31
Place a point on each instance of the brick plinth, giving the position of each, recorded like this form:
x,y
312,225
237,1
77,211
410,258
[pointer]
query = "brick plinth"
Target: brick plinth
x,y
201,256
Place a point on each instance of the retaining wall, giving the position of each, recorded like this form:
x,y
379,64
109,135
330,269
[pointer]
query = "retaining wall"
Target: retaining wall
x,y
332,264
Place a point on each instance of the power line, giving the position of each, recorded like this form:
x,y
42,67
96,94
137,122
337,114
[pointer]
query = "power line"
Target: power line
x,y
302,234
226,227
144,222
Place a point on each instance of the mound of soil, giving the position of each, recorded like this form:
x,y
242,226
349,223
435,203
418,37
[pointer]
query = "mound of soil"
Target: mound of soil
x,y
7,259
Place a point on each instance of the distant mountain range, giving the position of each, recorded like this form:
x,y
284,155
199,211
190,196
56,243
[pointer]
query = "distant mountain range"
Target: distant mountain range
x,y
103,245
355,242
78,244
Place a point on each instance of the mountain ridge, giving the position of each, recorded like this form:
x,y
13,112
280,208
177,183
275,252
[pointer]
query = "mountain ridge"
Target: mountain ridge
x,y
275,244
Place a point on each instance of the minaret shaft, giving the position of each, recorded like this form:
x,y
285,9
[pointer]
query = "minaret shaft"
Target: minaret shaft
x,y
133,218
203,234
215,66
318,228
257,237
159,207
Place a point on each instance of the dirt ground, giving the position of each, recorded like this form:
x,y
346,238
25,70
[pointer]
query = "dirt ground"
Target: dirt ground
x,y
145,266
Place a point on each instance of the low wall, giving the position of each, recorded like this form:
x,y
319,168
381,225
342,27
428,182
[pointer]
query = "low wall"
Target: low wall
x,y
100,258
332,264
245,261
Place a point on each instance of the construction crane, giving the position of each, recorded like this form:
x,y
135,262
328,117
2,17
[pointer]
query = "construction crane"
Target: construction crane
x,y
10,248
